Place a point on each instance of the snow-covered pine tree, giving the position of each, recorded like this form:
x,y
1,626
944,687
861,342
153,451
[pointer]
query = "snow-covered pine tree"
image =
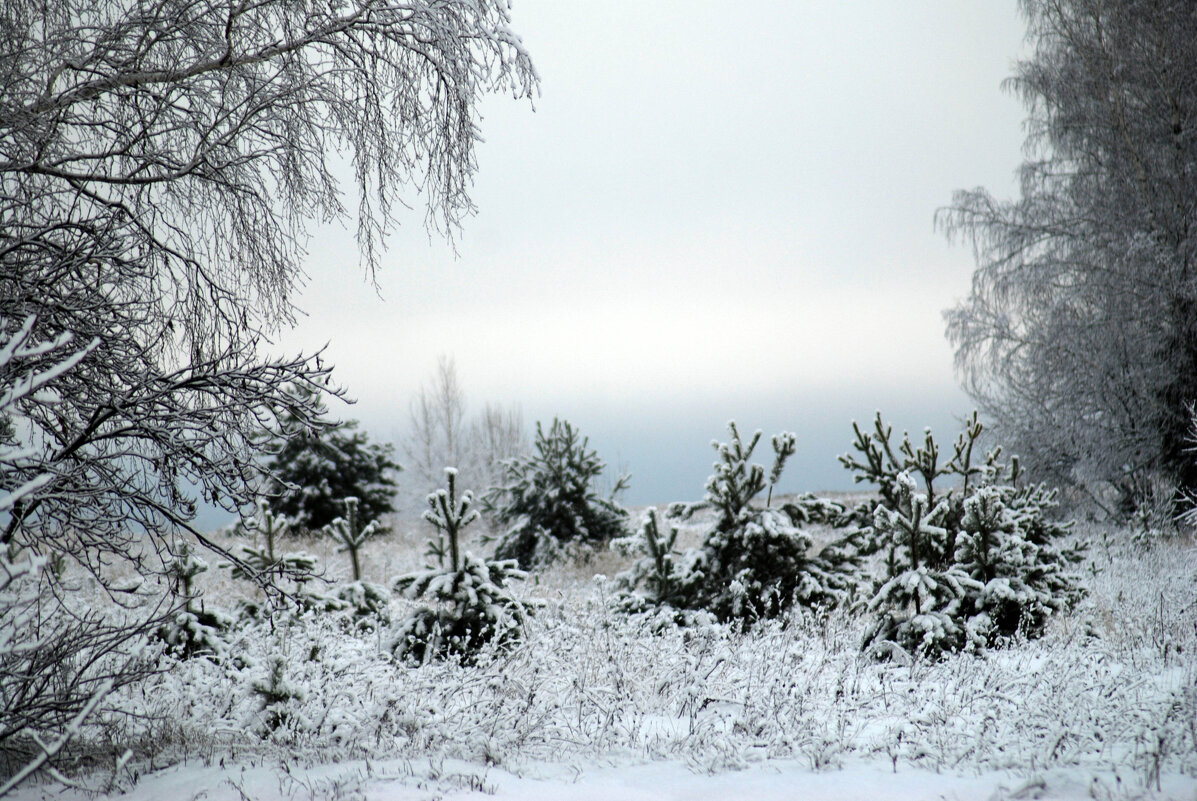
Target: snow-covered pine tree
x,y
921,607
993,552
549,500
352,534
989,556
757,562
310,473
662,577
753,563
468,603
1016,556
364,597
193,630
266,562
278,695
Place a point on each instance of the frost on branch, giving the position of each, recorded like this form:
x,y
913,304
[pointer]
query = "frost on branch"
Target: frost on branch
x,y
59,659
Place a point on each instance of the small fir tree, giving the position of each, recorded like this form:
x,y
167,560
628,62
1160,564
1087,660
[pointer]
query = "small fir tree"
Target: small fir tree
x,y
351,534
365,598
288,574
967,566
309,474
656,579
193,630
922,606
759,562
549,501
266,563
754,563
278,696
468,601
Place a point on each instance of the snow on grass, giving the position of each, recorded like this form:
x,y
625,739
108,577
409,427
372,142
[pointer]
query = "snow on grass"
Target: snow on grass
x,y
593,704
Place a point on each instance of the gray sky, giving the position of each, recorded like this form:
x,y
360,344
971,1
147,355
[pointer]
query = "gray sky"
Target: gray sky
x,y
715,211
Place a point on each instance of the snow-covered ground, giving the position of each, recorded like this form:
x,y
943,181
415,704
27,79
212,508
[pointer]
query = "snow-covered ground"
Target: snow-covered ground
x,y
597,705
780,780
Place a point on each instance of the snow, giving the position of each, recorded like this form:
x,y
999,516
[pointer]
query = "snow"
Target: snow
x,y
656,781
594,704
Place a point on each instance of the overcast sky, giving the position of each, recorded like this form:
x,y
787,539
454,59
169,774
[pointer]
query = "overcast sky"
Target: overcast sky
x,y
714,211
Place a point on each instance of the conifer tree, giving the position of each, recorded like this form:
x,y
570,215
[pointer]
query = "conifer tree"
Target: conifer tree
x,y
468,603
549,499
267,561
193,630
966,566
657,579
311,472
352,534
365,598
754,563
278,695
921,607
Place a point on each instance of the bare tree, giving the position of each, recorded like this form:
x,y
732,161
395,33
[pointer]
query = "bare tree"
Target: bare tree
x,y
59,659
1079,337
498,433
159,161
440,435
436,438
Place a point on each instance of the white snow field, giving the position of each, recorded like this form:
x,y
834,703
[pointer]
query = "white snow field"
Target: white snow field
x,y
780,780
595,705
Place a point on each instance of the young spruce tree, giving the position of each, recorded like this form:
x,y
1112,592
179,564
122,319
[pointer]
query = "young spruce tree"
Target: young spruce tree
x,y
754,562
467,601
549,501
972,565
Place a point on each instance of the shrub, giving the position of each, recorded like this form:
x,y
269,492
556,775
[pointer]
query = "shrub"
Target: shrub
x,y
970,566
470,602
549,501
754,562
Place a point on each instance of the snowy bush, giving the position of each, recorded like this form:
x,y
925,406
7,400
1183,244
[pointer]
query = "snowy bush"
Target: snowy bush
x,y
549,501
468,603
754,562
193,630
310,474
973,565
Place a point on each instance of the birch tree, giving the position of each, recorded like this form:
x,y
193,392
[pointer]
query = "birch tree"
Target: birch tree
x,y
1079,337
160,163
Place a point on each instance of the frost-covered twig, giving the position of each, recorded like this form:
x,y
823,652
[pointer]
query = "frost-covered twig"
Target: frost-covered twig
x,y
47,752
